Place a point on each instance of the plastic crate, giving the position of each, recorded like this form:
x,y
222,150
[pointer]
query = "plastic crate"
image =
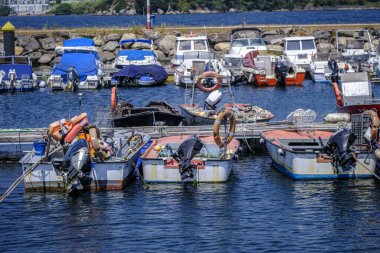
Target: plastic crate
x,y
359,125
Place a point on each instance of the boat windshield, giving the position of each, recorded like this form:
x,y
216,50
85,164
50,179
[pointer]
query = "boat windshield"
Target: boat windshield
x,y
355,44
293,45
198,55
307,44
245,42
233,61
187,45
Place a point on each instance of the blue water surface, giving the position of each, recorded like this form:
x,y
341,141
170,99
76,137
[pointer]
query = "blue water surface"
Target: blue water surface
x,y
257,210
215,19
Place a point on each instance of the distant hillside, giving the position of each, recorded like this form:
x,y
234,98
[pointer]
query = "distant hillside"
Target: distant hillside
x,y
170,6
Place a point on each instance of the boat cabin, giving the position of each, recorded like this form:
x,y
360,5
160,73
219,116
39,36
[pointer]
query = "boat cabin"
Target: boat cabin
x,y
189,43
300,50
356,89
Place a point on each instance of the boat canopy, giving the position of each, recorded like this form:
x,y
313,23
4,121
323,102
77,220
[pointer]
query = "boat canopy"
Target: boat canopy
x,y
136,55
22,70
84,63
157,72
82,42
135,41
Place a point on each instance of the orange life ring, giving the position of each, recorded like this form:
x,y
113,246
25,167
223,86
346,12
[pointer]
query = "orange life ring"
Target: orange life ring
x,y
374,124
75,130
224,115
209,74
339,101
113,99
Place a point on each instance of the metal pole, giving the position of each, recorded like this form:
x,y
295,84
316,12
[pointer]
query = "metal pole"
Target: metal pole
x,y
148,14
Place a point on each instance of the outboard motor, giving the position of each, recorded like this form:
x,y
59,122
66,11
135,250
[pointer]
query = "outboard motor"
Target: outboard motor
x,y
12,79
185,153
338,147
76,166
333,66
212,100
281,70
72,78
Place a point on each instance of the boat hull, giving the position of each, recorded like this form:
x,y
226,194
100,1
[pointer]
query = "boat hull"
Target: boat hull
x,y
306,165
211,171
108,175
358,109
148,119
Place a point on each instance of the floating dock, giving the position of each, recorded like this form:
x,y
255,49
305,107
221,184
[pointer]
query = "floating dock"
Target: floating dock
x,y
15,142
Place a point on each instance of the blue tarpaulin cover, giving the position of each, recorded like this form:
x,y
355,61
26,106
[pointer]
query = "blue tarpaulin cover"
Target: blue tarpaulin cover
x,y
82,42
136,71
85,64
21,69
136,55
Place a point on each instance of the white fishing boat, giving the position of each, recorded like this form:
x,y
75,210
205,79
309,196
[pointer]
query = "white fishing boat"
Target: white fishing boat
x,y
189,43
91,161
197,62
186,159
313,154
299,51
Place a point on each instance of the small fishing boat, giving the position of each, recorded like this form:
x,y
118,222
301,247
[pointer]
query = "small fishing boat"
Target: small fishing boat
x,y
299,51
314,154
88,159
140,75
126,115
197,62
271,70
144,56
79,66
189,43
16,74
187,158
356,94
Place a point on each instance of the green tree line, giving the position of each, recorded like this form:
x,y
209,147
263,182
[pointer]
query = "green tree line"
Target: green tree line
x,y
93,6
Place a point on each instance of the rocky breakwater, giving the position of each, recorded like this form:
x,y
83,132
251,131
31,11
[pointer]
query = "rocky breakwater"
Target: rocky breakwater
x,y
41,47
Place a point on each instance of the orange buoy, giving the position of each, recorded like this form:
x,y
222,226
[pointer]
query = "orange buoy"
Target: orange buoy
x,y
224,115
339,101
78,118
75,130
113,99
209,74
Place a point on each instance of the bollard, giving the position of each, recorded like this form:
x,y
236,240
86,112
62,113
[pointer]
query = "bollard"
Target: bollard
x,y
9,39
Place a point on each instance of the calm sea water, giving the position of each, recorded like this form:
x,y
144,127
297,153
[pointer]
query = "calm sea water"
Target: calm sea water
x,y
218,19
258,209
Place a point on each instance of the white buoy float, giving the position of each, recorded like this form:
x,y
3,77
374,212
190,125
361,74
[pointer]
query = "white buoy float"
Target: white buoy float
x,y
337,117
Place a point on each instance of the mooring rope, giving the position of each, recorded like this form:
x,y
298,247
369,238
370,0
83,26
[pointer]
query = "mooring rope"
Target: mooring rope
x,y
365,167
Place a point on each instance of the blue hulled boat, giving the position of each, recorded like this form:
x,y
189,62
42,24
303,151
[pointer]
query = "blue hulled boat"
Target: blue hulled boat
x,y
16,74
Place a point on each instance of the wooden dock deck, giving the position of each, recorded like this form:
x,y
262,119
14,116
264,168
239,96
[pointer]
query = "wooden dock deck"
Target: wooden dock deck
x,y
14,142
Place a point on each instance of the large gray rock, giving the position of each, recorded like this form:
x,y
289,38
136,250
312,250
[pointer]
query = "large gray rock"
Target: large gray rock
x,y
62,35
46,59
270,32
35,56
112,37
107,56
276,48
320,34
28,43
160,55
139,45
99,41
223,47
247,34
216,38
111,46
325,47
160,11
131,11
48,44
273,40
286,31
167,44
151,35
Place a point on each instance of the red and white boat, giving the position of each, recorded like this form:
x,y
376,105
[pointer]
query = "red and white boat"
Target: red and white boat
x,y
355,95
269,70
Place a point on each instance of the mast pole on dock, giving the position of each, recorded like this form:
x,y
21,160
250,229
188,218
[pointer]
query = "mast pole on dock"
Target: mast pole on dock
x,y
148,26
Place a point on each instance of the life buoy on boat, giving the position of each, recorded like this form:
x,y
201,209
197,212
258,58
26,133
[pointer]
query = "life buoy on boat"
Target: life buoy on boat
x,y
209,74
339,101
374,124
75,130
224,115
113,99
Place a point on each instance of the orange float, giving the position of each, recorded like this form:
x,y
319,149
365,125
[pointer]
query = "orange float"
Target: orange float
x,y
339,101
113,99
209,74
